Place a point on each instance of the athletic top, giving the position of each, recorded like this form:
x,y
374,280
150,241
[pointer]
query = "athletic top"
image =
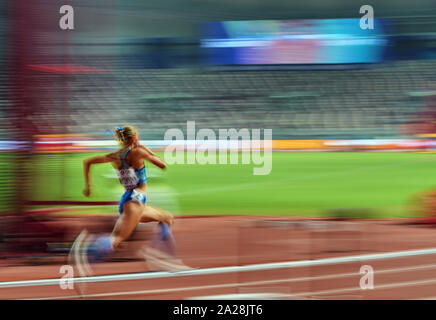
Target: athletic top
x,y
129,177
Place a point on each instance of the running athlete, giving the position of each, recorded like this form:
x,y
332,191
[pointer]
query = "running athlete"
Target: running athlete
x,y
128,162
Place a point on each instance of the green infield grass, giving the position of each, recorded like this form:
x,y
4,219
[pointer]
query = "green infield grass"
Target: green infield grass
x,y
300,184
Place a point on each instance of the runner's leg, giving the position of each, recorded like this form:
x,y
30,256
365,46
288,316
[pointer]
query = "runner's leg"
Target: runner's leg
x,y
124,227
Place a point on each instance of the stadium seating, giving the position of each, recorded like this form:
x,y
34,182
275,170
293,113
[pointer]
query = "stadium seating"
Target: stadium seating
x,y
358,103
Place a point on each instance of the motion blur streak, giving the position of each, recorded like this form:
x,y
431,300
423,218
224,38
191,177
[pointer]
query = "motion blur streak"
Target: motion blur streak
x,y
350,99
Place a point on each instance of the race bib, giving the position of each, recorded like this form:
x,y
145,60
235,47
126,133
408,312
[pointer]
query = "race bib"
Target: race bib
x,y
128,178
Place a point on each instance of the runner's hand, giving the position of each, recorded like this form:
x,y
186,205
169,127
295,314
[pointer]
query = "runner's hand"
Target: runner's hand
x,y
87,191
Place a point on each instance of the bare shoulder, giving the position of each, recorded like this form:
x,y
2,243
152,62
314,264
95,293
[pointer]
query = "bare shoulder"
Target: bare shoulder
x,y
115,159
142,151
114,155
134,154
147,149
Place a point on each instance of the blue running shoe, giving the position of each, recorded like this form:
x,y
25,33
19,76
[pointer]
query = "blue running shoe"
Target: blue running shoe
x,y
99,249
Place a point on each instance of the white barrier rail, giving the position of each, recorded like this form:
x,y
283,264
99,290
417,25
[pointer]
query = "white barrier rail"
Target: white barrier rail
x,y
223,270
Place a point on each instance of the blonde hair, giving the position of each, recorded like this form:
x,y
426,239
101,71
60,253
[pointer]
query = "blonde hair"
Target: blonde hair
x,y
125,135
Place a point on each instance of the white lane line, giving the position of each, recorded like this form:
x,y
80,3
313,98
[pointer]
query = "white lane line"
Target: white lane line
x,y
244,296
222,270
376,287
251,283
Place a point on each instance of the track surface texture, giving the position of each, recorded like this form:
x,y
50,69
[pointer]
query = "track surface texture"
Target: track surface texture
x,y
233,241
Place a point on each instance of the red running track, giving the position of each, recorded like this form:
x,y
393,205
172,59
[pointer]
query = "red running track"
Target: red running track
x,y
206,242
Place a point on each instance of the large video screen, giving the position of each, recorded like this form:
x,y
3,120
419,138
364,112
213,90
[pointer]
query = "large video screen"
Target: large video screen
x,y
331,41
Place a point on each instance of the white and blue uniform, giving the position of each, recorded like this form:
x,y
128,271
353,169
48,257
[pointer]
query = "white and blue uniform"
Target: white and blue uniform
x,y
131,178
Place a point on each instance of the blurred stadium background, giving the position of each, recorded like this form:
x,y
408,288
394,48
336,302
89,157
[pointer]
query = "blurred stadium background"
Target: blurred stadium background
x,y
353,119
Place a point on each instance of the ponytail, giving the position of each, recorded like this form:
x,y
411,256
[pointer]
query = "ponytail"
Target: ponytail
x,y
125,134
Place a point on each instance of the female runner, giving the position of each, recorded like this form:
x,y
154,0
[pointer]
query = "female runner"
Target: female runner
x,y
128,161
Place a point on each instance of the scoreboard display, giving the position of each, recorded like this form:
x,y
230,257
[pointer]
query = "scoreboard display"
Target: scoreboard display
x,y
328,41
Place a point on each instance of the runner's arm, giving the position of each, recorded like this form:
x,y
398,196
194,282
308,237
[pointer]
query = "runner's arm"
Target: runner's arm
x,y
150,156
87,168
